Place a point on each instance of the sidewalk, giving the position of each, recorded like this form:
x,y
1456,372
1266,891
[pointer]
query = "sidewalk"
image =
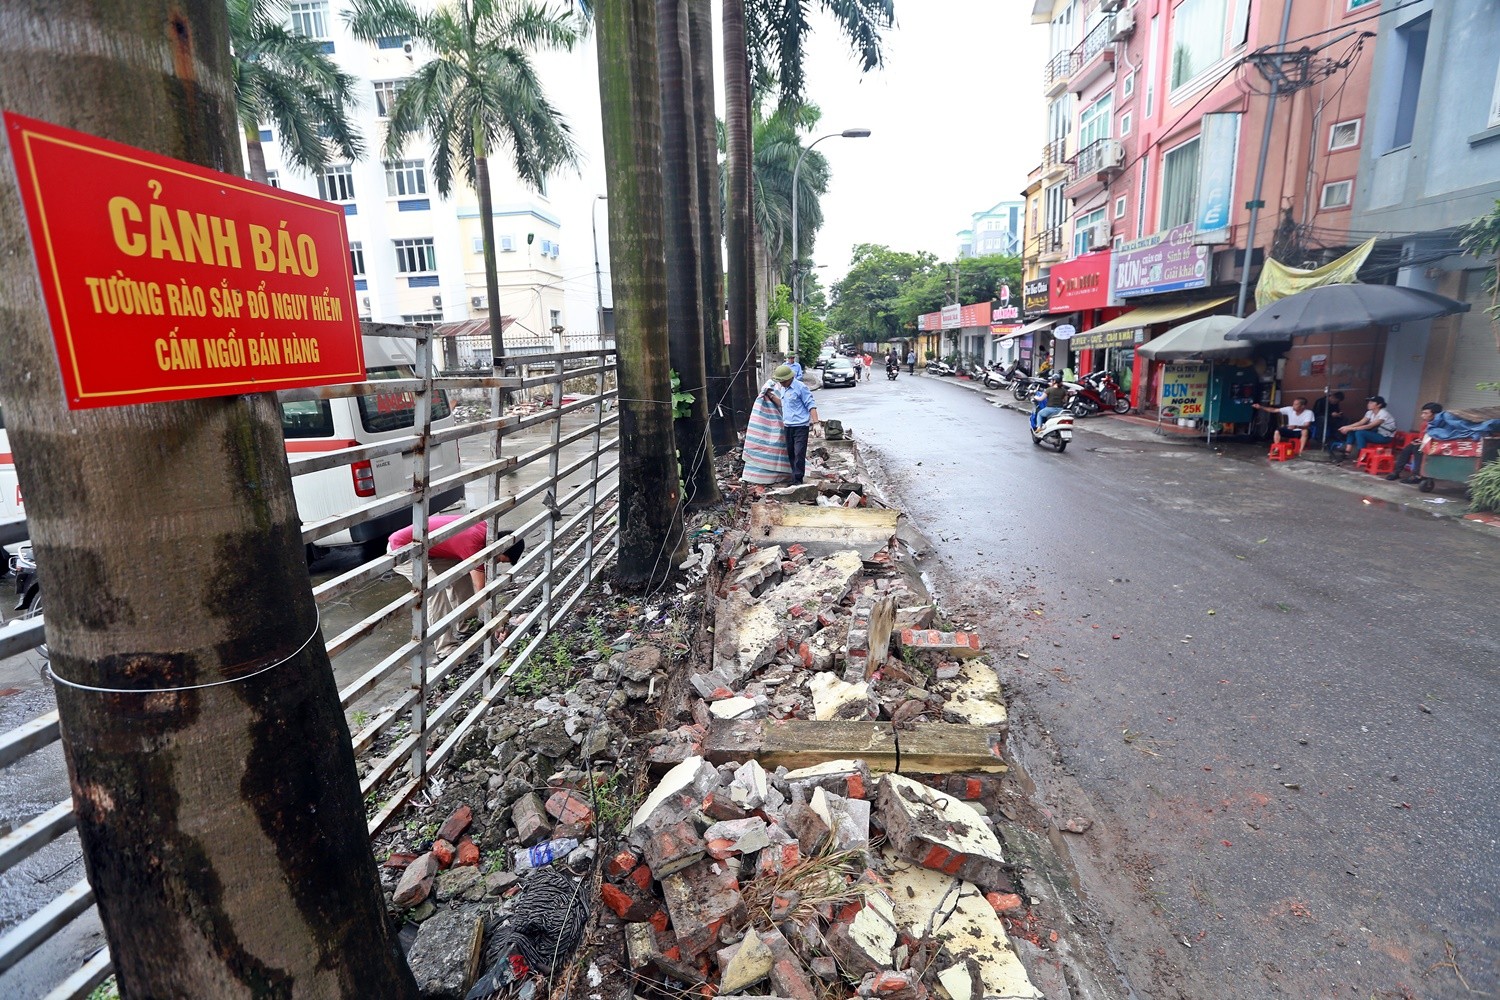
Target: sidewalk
x,y
1447,501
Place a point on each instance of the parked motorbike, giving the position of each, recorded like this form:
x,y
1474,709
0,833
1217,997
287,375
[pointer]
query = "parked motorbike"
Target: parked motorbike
x,y
999,376
28,587
1055,432
1025,386
938,367
1111,393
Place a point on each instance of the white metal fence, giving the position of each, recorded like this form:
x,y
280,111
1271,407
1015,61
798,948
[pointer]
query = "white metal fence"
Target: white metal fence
x,y
561,495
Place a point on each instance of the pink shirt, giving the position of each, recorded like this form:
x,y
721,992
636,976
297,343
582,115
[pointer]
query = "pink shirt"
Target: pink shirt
x,y
459,547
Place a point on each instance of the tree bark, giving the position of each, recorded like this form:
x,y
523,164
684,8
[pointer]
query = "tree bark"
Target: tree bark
x,y
738,248
651,536
684,278
710,231
222,827
491,267
256,154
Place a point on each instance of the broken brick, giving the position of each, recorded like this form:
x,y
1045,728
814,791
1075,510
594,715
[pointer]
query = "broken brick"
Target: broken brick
x,y
789,977
702,898
529,817
961,644
940,832
1005,902
621,863
443,852
468,852
628,902
457,822
567,806
670,849
806,825
416,882
889,984
399,860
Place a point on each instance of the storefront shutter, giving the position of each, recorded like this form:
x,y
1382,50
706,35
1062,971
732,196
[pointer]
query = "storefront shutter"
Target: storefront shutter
x,y
1476,357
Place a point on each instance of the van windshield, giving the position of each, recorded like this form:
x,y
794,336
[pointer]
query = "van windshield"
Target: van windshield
x,y
393,411
307,418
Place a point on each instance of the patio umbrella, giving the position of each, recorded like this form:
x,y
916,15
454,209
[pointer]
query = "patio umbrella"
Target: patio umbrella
x,y
1331,308
1201,338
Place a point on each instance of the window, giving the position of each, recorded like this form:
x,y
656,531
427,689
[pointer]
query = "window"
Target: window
x,y
1060,117
385,96
307,418
1120,207
478,244
405,178
1125,124
337,183
1179,185
1127,87
1412,36
415,256
1083,231
1203,32
1494,120
414,318
555,315
507,244
1093,123
357,259
309,18
1062,30
1357,4
388,410
273,178
1151,68
1344,135
1337,194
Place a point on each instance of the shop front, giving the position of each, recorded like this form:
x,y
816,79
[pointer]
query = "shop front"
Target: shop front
x,y
1079,286
1115,342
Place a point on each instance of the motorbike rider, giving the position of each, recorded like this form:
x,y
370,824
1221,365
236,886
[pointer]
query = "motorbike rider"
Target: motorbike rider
x,y
1050,401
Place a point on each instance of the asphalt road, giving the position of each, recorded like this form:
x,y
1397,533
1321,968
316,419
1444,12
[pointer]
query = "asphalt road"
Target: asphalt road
x,y
1278,704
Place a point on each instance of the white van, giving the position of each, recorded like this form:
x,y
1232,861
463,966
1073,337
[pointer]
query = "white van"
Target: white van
x,y
329,424
11,505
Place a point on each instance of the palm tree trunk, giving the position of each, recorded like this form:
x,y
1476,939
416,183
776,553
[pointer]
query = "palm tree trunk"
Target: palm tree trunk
x,y
256,153
738,247
491,267
651,536
710,232
222,827
684,278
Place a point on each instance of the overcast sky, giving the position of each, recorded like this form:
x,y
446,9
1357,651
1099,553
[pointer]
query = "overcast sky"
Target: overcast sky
x,y
956,117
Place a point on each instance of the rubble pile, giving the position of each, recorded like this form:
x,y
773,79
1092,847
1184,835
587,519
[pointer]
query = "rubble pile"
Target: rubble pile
x,y
821,881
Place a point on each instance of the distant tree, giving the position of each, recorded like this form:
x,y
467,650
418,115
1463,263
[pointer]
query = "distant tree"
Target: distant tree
x,y
285,80
478,93
978,280
1481,237
866,303
812,332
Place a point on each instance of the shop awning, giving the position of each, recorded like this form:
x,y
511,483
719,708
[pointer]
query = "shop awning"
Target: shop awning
x,y
1144,316
1035,326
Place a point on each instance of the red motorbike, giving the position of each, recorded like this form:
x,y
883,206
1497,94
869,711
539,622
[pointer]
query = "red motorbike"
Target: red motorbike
x,y
1095,393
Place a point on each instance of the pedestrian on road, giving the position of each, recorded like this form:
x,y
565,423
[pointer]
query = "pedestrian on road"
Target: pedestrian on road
x,y
1377,427
795,365
911,362
765,439
1412,453
799,414
869,363
1299,421
441,558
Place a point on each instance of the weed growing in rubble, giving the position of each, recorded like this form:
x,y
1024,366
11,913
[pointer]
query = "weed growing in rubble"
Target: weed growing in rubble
x,y
598,640
359,718
107,990
613,801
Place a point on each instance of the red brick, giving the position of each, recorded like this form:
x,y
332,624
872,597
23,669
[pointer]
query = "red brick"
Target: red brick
x,y
621,864
700,901
641,876
856,785
804,650
457,822
672,848
788,976
776,860
399,860
443,851
567,806
627,904
1005,902
721,849
468,852
659,921
722,808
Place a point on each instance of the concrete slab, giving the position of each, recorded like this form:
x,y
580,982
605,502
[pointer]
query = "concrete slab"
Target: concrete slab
x,y
825,529
977,699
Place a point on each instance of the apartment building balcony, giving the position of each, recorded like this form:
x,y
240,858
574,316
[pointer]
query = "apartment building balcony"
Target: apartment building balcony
x,y
1094,57
1050,245
1094,166
1056,73
1054,160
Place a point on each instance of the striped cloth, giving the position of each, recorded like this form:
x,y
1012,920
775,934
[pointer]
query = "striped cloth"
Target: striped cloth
x,y
765,444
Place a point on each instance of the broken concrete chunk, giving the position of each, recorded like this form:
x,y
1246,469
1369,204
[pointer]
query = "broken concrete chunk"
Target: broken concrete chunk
x,y
440,956
637,664
683,788
756,568
530,818
741,836
738,707
939,832
750,785
977,699
837,699
810,829
847,776
920,616
848,820
416,881
962,981
744,964
864,944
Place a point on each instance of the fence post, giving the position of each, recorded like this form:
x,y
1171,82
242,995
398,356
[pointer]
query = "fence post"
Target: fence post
x,y
421,475
554,491
588,546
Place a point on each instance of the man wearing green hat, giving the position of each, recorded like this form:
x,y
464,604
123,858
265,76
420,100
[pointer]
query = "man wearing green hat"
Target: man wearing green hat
x,y
799,413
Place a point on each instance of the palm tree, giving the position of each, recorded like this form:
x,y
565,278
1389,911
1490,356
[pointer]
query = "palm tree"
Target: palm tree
x,y
479,92
739,262
777,146
778,30
284,78
651,535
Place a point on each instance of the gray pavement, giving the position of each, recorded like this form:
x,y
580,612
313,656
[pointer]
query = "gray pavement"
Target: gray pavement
x,y
1274,695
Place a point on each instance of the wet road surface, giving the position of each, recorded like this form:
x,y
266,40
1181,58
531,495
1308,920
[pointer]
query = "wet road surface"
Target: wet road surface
x,y
1278,704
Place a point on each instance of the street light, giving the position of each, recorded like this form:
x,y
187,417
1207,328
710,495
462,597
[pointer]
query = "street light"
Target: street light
x,y
848,133
598,275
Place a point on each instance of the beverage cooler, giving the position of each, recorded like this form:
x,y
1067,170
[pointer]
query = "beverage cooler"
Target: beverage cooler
x,y
1231,390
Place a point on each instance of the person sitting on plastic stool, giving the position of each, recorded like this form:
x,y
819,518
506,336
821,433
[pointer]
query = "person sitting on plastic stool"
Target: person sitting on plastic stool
x,y
1299,421
1412,453
1376,427
443,557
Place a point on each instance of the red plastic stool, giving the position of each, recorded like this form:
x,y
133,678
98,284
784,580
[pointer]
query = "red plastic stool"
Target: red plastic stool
x,y
1376,461
1281,451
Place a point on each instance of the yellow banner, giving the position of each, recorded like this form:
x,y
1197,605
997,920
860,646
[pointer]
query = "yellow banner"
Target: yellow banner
x,y
1277,280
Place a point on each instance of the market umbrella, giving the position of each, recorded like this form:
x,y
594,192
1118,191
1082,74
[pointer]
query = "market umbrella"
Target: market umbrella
x,y
1332,308
1201,338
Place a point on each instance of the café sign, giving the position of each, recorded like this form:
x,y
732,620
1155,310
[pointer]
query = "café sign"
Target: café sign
x,y
1162,262
165,280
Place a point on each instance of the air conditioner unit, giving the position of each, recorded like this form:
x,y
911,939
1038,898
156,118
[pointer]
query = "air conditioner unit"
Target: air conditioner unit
x,y
1099,236
1111,155
479,302
406,46
437,302
555,251
1124,25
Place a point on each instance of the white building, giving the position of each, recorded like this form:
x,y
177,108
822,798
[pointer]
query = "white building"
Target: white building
x,y
417,256
995,230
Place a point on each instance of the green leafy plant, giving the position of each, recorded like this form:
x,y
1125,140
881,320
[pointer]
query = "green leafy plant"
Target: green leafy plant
x,y
612,801
107,990
682,402
1484,488
359,718
1481,237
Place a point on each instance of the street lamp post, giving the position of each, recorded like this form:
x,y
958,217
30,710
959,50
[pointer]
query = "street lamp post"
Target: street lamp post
x,y
598,274
848,133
